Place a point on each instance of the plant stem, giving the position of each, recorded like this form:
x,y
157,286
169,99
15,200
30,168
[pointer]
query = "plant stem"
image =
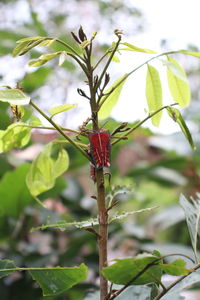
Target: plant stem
x,y
140,123
57,127
48,127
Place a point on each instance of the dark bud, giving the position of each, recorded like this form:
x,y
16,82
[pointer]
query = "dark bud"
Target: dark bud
x,y
81,93
76,38
82,34
107,79
96,78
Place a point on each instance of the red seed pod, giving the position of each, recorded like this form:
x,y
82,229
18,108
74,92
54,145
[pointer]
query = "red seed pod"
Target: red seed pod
x,y
93,172
100,148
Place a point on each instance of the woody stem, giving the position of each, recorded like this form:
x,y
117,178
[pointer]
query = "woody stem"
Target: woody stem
x,y
102,210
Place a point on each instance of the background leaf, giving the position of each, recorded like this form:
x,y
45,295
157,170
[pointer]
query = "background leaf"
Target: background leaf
x,y
154,93
6,264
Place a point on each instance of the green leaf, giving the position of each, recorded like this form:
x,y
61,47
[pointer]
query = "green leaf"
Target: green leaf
x,y
61,108
174,67
124,270
179,88
14,96
15,136
177,117
112,99
54,281
63,225
176,268
4,265
24,45
154,93
196,54
45,169
43,59
15,199
131,47
123,215
192,214
62,57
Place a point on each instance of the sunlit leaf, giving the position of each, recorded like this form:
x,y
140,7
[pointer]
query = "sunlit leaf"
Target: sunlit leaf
x,y
61,108
14,96
192,214
196,54
174,67
177,117
179,88
57,280
15,136
25,45
131,47
123,270
62,57
154,93
43,59
45,169
176,268
31,39
112,99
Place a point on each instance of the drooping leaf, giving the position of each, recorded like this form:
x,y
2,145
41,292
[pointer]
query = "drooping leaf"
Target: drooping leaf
x,y
176,268
179,88
62,57
154,93
123,215
123,270
55,281
15,199
131,47
174,67
112,99
4,265
45,169
43,59
15,136
14,97
175,114
192,214
26,44
61,108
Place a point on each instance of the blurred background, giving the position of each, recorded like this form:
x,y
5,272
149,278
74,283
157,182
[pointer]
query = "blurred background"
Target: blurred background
x,y
151,169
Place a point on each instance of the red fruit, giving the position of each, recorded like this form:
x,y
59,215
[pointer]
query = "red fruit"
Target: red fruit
x,y
100,148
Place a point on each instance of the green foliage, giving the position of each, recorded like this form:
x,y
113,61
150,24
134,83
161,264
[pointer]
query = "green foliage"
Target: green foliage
x,y
14,96
15,136
178,85
131,47
113,96
45,169
61,108
176,268
15,199
154,93
6,264
177,117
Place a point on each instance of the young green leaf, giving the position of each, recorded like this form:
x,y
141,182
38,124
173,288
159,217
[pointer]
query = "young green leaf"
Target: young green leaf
x,y
154,93
45,169
111,99
123,270
5,265
15,136
43,59
174,67
177,117
176,268
179,88
124,215
62,57
25,45
196,54
192,214
14,97
61,108
55,281
131,47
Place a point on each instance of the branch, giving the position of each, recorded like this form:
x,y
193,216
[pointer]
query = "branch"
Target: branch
x,y
57,127
48,127
143,121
